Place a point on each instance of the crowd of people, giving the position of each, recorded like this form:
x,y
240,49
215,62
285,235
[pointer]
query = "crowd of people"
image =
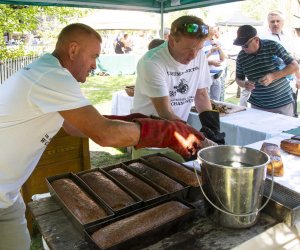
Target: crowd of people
x,y
183,69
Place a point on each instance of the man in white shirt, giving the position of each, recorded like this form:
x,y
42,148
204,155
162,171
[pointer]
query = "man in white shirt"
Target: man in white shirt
x,y
175,75
43,97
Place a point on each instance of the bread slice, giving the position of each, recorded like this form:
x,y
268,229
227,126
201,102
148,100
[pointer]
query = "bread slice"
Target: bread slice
x,y
273,151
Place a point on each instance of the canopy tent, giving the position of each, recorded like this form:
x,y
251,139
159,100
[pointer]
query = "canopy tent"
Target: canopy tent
x,y
158,6
238,19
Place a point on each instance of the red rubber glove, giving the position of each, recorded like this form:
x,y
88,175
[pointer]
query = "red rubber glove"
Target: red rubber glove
x,y
127,118
182,138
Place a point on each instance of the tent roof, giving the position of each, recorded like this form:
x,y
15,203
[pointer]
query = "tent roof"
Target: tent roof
x,y
238,19
139,5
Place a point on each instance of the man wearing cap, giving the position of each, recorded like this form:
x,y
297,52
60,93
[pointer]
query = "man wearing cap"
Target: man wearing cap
x,y
258,71
174,76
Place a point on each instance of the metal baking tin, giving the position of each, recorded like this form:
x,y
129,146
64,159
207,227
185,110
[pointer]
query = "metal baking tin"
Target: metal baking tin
x,y
284,204
163,192
126,209
77,223
194,192
148,238
182,194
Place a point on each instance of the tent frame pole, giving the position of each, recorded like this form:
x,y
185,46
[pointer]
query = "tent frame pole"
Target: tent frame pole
x,y
161,18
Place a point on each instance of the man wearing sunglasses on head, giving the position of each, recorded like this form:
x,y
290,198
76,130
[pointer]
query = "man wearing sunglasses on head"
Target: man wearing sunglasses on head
x,y
257,61
174,76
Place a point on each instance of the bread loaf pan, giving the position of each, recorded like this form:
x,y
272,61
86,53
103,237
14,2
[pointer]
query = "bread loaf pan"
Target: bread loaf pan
x,y
121,210
194,193
284,204
146,238
77,223
181,193
163,193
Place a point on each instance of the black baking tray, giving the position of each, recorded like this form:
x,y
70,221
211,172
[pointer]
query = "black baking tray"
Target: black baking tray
x,y
182,193
163,193
77,223
148,238
135,205
194,192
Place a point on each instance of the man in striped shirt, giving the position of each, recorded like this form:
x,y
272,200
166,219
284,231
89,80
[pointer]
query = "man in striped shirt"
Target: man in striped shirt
x,y
258,70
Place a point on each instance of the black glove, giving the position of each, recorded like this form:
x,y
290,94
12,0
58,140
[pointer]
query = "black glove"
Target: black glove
x,y
210,121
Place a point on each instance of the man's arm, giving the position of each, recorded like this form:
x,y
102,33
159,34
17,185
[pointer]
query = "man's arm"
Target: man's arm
x,y
163,108
103,131
202,100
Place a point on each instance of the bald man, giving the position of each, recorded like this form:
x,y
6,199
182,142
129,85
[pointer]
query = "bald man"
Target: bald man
x,y
43,97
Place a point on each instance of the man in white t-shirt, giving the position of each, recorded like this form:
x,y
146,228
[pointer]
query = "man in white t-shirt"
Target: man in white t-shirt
x,y
175,75
43,97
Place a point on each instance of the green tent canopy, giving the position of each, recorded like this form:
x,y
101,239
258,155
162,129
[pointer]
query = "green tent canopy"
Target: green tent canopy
x,y
157,6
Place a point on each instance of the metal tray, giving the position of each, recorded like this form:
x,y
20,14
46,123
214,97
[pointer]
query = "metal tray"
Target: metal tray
x,y
163,192
126,209
149,237
284,204
194,192
79,226
182,193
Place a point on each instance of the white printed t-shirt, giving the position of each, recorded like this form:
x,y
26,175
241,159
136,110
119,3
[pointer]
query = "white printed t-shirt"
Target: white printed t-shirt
x,y
159,74
29,118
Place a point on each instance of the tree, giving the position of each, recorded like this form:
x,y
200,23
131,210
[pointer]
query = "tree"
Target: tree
x,y
42,21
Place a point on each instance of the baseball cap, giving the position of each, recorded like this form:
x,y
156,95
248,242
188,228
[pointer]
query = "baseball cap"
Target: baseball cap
x,y
244,33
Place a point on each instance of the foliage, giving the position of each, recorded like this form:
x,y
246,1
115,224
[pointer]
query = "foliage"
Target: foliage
x,y
39,21
257,8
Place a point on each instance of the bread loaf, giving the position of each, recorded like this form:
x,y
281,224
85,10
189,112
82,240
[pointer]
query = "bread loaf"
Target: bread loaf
x,y
77,201
291,146
156,177
107,190
138,224
275,157
174,169
136,185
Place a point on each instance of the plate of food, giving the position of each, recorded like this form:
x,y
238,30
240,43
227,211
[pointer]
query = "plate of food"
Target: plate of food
x,y
223,108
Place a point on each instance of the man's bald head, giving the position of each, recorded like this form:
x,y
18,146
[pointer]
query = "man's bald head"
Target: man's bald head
x,y
76,32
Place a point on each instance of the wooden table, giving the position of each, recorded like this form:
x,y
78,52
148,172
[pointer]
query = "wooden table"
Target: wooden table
x,y
202,233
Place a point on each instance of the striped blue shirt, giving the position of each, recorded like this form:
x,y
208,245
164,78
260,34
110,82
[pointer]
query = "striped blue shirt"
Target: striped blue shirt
x,y
255,66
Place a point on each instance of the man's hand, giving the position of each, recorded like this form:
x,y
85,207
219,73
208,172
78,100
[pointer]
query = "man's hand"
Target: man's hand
x,y
182,138
267,79
249,85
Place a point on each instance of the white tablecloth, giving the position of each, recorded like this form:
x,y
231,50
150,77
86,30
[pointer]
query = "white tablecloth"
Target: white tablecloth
x,y
291,163
121,103
250,126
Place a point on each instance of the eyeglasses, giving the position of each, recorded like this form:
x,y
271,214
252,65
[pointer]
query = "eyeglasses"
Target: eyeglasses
x,y
246,45
194,28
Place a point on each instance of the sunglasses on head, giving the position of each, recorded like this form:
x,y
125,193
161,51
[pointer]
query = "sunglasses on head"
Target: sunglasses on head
x,y
246,45
194,28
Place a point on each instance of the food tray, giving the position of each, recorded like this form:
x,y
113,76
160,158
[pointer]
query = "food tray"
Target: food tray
x,y
79,226
182,193
138,200
284,204
149,237
163,192
194,193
